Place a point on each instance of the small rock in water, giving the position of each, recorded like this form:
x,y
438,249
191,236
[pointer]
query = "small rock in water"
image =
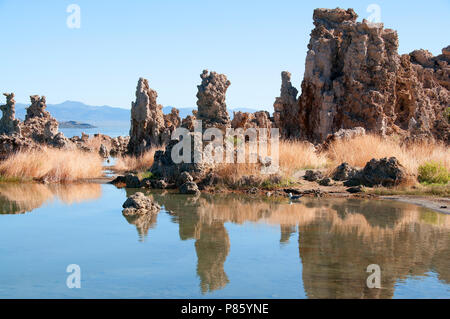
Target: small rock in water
x,y
139,204
189,188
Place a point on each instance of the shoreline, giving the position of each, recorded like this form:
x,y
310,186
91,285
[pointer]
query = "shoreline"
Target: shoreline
x,y
312,189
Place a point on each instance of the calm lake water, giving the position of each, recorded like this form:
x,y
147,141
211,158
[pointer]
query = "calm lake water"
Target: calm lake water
x,y
216,246
110,130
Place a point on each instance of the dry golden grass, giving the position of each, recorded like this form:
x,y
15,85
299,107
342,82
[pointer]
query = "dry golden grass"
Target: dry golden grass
x,y
130,163
358,151
52,165
299,155
293,156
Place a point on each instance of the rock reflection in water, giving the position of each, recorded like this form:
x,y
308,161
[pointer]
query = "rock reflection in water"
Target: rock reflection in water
x,y
338,239
142,222
23,198
212,243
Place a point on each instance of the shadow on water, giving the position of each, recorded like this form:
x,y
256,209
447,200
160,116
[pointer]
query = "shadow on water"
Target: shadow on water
x,y
337,238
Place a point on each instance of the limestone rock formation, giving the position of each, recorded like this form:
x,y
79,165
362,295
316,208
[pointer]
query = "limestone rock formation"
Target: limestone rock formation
x,y
40,126
212,109
422,95
8,123
246,120
286,109
149,126
354,77
189,122
342,134
344,172
164,167
10,144
37,108
139,204
385,172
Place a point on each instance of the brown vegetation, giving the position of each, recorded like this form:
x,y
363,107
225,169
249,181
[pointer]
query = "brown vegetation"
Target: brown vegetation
x,y
359,150
51,165
129,163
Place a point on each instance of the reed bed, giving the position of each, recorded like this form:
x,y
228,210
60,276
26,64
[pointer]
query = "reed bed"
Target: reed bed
x,y
359,150
130,163
52,165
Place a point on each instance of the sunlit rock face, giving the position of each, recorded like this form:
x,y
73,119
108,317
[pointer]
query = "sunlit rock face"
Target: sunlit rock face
x,y
212,109
354,77
40,126
8,123
246,120
149,126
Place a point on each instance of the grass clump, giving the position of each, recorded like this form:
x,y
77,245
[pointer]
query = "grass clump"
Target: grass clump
x,y
360,150
130,163
51,165
148,174
433,173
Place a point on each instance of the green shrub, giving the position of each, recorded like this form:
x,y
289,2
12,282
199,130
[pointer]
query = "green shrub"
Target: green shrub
x,y
433,173
447,113
147,174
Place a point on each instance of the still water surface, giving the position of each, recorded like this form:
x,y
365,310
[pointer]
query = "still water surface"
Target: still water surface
x,y
216,246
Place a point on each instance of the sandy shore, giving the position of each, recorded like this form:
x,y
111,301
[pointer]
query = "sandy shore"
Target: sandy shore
x,y
441,205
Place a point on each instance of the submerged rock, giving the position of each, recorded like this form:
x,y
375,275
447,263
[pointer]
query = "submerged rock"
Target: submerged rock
x,y
139,204
190,188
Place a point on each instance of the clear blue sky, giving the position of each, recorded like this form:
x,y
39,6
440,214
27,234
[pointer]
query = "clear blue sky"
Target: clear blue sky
x,y
170,42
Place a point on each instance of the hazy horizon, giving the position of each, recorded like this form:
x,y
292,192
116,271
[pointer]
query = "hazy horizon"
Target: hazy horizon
x,y
171,42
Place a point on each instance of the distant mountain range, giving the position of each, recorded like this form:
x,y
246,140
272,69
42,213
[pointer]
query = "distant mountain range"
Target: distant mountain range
x,y
99,115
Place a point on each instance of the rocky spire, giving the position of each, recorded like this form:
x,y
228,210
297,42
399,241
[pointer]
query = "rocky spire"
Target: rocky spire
x,y
40,126
8,123
286,109
212,109
37,108
149,126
